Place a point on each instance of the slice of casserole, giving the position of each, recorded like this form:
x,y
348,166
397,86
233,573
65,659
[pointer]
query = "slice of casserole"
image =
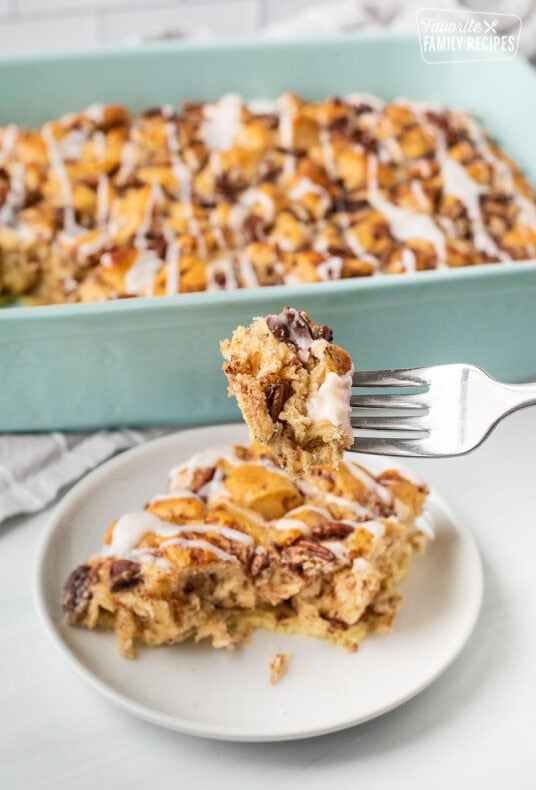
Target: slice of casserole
x,y
293,387
236,544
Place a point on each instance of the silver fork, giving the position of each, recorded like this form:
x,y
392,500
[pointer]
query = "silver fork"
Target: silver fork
x,y
442,410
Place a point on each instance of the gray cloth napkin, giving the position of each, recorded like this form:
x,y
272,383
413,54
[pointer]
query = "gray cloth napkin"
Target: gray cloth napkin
x,y
35,467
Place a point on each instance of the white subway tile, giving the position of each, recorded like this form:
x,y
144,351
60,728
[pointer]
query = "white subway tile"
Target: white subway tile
x,y
222,17
278,10
67,7
48,34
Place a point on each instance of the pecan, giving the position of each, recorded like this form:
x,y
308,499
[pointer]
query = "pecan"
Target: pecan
x,y
124,574
204,478
336,623
276,396
333,530
258,563
306,552
76,593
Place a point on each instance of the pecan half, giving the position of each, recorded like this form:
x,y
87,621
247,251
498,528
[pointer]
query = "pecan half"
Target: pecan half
x,y
76,593
258,563
276,396
332,530
124,574
306,554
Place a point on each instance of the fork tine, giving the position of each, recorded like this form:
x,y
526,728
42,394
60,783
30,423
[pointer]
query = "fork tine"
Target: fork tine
x,y
410,402
410,448
404,377
380,423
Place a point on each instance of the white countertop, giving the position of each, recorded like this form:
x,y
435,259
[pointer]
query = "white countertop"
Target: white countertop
x,y
474,728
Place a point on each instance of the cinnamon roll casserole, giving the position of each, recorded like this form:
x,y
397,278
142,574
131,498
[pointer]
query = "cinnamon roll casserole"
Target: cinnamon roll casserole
x,y
293,387
236,544
102,204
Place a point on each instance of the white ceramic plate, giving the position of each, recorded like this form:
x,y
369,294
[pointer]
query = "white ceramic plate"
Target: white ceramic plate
x,y
226,694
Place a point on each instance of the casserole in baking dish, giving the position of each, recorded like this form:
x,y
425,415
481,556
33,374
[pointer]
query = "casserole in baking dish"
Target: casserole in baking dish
x,y
155,361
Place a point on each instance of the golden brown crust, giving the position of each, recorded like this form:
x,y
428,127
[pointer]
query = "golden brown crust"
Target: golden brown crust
x,y
303,192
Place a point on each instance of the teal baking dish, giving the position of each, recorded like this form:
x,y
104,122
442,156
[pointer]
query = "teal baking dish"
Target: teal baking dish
x,y
157,361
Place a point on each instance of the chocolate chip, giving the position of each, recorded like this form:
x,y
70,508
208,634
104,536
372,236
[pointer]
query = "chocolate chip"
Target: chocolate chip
x,y
290,326
276,396
76,593
124,574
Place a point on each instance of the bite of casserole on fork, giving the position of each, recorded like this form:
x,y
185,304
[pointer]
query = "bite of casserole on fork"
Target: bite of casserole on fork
x,y
293,387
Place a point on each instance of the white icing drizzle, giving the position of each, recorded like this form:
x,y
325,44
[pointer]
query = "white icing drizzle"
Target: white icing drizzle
x,y
95,112
330,269
290,523
458,183
224,266
331,401
247,272
103,202
204,529
306,187
140,277
287,113
177,493
9,141
88,248
408,260
129,160
405,224
338,549
419,193
222,122
206,459
356,247
360,564
327,152
155,196
254,196
425,523
368,480
325,496
70,147
58,167
172,262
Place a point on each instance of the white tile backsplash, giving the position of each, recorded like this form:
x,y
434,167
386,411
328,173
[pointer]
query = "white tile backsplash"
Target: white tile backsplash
x,y
26,34
278,10
222,17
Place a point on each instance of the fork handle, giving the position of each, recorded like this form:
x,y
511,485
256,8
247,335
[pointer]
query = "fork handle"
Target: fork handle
x,y
518,396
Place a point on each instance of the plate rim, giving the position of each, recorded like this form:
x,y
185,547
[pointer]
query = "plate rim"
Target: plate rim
x,y
214,731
